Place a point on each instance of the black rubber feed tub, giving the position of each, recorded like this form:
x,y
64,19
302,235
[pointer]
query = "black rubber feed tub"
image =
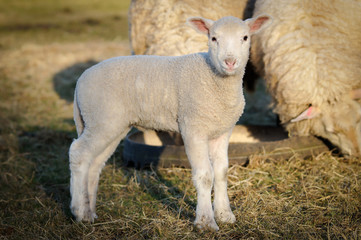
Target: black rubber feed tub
x,y
162,149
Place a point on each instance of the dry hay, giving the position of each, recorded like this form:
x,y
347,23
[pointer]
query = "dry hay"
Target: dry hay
x,y
314,198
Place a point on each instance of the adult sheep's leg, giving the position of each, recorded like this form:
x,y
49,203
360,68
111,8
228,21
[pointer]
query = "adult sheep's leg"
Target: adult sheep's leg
x,y
95,170
218,151
202,173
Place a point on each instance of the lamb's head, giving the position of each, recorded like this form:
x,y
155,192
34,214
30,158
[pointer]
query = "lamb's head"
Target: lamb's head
x,y
229,40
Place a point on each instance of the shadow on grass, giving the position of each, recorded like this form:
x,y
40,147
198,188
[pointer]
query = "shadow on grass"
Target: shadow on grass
x,y
48,150
65,80
168,193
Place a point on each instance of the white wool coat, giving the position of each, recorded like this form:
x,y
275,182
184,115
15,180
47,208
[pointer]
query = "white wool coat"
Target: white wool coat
x,y
311,55
161,92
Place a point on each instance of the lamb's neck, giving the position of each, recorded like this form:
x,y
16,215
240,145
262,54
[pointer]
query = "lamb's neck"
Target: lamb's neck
x,y
229,91
231,85
234,82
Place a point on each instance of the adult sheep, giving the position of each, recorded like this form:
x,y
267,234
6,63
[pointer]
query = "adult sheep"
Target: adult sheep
x,y
199,95
311,60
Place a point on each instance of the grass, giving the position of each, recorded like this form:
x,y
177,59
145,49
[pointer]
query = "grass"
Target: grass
x,y
313,198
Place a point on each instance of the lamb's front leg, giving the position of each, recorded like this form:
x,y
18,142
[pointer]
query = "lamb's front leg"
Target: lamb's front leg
x,y
218,151
202,173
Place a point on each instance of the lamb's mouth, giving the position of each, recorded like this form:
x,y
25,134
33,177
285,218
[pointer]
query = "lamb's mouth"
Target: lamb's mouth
x,y
229,71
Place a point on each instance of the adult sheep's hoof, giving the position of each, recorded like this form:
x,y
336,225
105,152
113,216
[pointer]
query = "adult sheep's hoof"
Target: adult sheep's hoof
x,y
225,216
206,223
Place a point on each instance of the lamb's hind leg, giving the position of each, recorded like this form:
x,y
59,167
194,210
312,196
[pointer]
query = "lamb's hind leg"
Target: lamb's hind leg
x,y
218,151
95,170
80,158
202,173
83,153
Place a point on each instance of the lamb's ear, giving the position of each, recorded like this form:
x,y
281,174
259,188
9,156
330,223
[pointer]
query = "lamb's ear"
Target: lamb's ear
x,y
201,25
258,23
309,113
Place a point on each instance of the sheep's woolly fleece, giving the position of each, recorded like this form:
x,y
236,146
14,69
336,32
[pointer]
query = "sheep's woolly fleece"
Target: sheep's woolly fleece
x,y
157,27
311,55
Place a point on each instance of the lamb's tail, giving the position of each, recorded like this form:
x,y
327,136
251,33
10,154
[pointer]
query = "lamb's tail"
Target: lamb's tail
x,y
79,122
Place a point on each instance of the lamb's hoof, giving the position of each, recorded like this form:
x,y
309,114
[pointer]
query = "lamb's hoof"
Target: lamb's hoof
x,y
206,223
83,214
225,216
90,217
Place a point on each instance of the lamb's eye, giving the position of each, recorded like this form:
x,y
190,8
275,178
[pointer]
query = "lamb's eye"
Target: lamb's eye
x,y
245,38
214,39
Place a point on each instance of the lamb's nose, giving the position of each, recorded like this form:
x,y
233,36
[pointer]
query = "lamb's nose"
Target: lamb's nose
x,y
230,62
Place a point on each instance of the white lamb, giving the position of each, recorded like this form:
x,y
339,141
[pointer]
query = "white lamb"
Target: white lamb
x,y
199,95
